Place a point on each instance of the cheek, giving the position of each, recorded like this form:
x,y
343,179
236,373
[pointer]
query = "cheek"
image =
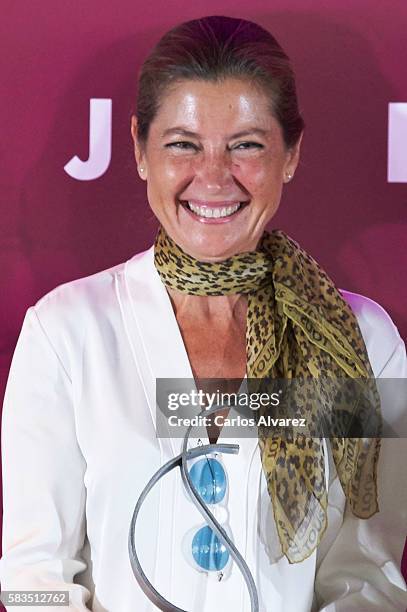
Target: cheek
x,y
171,172
257,176
167,178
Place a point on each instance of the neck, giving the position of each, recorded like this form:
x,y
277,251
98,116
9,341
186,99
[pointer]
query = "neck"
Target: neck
x,y
220,308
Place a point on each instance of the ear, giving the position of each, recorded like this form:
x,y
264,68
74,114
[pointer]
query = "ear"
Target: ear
x,y
138,150
293,157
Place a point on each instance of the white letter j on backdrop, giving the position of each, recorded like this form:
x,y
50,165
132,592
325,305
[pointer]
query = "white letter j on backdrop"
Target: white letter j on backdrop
x,y
100,143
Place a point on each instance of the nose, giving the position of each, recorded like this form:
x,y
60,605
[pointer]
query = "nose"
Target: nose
x,y
214,172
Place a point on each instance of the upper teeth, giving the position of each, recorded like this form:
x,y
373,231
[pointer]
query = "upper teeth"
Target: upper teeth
x,y
206,211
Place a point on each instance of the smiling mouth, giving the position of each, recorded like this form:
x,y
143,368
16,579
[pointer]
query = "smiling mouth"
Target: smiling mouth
x,y
213,210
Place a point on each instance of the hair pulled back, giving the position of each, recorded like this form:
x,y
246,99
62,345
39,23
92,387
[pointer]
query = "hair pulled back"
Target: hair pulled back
x,y
213,49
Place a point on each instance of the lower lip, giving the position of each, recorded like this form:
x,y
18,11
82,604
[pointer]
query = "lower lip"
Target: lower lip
x,y
213,220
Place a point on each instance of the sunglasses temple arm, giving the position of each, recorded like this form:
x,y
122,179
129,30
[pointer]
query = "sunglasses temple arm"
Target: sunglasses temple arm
x,y
153,595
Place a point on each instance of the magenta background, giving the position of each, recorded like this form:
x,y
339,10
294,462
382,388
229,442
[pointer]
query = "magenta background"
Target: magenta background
x,y
350,59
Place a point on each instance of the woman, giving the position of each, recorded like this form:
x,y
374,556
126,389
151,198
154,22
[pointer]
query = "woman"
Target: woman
x,y
217,135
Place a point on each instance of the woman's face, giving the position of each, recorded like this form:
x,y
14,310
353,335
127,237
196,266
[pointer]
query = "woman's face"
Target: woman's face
x,y
215,163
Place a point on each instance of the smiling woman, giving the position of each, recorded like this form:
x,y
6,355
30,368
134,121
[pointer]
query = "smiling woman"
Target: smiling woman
x,y
317,524
215,161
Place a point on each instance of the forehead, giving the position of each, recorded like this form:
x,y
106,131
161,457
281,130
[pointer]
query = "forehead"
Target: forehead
x,y
210,106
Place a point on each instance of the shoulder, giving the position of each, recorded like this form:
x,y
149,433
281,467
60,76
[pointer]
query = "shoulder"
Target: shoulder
x,y
381,336
78,296
81,305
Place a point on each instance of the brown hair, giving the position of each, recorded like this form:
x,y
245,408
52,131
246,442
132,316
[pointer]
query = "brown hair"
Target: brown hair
x,y
212,49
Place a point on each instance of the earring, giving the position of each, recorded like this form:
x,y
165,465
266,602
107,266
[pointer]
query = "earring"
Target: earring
x,y
289,176
141,169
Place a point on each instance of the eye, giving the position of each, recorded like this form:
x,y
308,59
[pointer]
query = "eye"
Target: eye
x,y
241,146
182,145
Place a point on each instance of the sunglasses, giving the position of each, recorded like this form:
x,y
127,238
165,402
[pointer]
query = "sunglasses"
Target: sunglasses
x,y
202,547
207,486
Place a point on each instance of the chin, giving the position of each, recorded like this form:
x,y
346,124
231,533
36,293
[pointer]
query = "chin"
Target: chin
x,y
215,252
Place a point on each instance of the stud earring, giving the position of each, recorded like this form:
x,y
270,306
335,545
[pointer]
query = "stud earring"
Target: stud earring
x,y
289,176
141,169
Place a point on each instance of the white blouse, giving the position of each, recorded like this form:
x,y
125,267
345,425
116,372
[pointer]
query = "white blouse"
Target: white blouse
x,y
79,445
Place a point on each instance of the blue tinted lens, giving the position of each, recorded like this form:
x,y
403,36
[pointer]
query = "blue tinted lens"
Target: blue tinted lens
x,y
208,551
209,480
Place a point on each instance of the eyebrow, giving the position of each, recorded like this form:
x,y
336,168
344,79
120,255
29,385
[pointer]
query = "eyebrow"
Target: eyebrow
x,y
180,130
250,132
189,134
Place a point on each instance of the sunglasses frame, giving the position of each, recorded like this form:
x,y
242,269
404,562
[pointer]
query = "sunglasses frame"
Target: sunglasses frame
x,y
181,461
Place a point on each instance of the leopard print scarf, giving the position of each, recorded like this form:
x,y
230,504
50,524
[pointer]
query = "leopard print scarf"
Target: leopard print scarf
x,y
298,327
